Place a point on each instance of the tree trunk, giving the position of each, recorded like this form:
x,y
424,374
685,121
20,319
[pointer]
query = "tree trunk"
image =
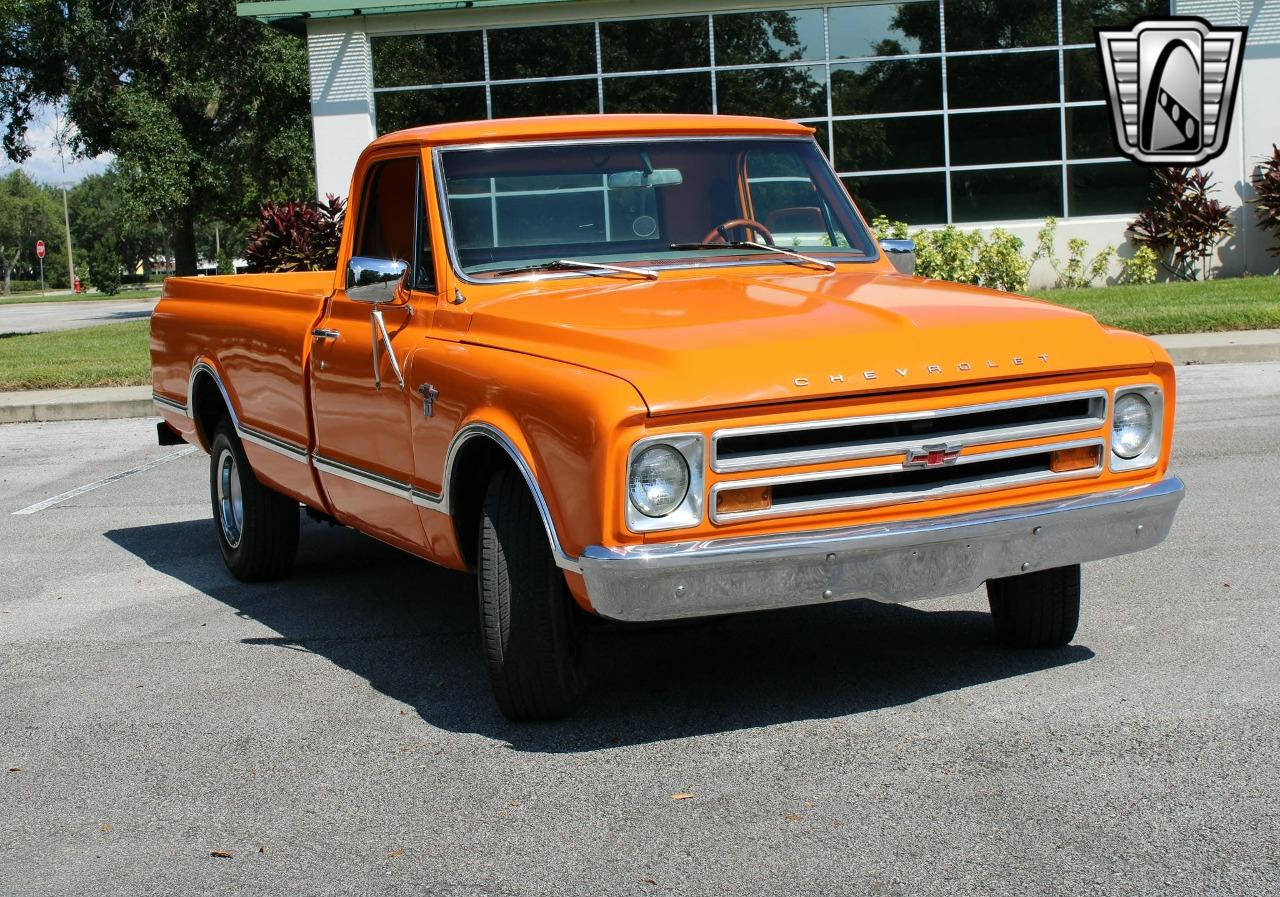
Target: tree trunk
x,y
184,243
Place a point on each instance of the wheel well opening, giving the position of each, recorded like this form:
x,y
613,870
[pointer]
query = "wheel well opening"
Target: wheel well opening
x,y
478,460
207,407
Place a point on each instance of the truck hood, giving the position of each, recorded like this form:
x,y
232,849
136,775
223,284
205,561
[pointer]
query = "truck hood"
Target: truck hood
x,y
703,341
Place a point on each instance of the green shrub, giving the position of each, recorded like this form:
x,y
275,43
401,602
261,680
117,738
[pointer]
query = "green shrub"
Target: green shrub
x,y
1000,263
1076,273
1140,267
104,269
296,236
884,229
948,254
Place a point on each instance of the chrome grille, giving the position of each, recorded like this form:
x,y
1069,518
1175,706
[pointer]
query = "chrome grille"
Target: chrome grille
x,y
873,436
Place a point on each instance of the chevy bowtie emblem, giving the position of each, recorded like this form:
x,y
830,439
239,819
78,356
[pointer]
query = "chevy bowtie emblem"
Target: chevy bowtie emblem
x,y
1171,84
932,456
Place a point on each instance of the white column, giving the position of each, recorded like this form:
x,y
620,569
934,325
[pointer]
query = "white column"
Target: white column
x,y
341,100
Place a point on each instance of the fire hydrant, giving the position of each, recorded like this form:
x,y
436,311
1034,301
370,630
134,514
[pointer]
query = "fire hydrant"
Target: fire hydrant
x,y
79,288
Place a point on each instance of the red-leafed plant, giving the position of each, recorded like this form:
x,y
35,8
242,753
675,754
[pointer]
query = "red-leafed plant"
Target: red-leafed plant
x,y
1266,200
1183,224
296,236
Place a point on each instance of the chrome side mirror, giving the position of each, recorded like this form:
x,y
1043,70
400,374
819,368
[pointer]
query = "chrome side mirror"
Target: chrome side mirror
x,y
902,253
377,281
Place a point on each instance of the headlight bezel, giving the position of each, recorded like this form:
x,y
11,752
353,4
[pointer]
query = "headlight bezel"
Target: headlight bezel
x,y
1150,454
691,447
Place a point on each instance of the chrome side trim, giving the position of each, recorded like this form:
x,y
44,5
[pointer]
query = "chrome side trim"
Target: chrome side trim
x,y
902,495
290,450
563,559
901,561
984,436
279,446
169,404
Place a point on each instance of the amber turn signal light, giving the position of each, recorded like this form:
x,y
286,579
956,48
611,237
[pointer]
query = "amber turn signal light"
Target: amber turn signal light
x,y
735,501
1080,458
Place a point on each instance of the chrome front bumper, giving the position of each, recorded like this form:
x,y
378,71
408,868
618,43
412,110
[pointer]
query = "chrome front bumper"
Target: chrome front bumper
x,y
888,562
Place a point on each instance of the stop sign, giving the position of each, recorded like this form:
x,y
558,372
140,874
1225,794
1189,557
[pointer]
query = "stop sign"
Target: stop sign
x,y
40,249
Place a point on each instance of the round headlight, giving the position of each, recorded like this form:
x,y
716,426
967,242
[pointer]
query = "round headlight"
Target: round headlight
x,y
1131,425
659,481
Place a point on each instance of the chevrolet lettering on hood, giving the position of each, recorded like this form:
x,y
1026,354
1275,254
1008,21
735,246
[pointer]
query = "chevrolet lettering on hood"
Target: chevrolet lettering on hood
x,y
963,367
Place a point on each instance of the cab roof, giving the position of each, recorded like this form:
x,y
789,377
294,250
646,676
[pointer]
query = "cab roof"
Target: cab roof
x,y
561,127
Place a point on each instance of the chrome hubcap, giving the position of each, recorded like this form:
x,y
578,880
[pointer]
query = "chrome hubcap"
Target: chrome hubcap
x,y
230,498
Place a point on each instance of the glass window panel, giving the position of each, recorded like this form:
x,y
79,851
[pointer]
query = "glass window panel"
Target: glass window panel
x,y
775,36
1109,188
654,44
1080,17
999,24
1089,133
551,217
1007,79
410,108
787,92
880,143
1084,75
545,98
407,60
388,210
894,85
913,198
472,221
884,29
1006,194
984,138
659,93
542,52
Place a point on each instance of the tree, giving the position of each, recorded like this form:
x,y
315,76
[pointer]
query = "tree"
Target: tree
x,y
100,211
104,269
27,214
207,113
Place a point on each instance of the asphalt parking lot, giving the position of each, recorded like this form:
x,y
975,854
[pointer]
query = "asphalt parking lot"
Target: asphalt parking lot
x,y
333,734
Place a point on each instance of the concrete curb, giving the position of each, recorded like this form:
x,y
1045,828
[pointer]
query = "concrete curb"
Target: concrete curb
x,y
1222,348
99,403
104,403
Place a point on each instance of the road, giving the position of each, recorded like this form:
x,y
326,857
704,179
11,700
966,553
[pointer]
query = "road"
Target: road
x,y
334,733
39,317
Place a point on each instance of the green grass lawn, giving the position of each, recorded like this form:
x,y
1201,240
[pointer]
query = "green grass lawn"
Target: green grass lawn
x,y
110,355
28,298
1239,303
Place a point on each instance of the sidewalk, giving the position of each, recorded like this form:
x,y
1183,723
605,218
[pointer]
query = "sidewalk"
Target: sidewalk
x,y
98,403
135,401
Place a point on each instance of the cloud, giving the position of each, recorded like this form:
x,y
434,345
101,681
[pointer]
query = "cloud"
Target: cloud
x,y
45,165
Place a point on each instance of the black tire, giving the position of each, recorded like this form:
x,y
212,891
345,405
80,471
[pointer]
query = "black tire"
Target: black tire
x,y
1036,610
527,621
259,543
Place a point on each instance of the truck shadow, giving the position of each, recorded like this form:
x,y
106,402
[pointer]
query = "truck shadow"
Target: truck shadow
x,y
410,630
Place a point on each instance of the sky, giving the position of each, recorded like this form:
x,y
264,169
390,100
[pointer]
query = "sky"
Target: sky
x,y
44,165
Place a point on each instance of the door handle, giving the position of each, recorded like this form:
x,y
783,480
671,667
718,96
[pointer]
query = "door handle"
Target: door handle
x,y
325,334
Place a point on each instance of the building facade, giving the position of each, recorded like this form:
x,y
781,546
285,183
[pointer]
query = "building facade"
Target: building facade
x,y
979,113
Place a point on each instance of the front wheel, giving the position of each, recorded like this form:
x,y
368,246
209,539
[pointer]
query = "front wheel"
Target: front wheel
x,y
1036,610
257,527
526,612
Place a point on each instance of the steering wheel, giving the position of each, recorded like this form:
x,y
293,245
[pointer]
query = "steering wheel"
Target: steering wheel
x,y
720,233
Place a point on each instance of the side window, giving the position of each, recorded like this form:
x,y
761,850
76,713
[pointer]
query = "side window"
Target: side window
x,y
392,221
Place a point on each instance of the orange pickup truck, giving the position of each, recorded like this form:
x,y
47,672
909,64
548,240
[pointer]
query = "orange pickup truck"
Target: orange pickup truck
x,y
656,367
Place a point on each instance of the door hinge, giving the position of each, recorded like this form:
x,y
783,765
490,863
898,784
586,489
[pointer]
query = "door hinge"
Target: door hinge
x,y
429,395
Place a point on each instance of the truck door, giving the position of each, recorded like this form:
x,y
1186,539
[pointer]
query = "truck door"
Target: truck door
x,y
361,399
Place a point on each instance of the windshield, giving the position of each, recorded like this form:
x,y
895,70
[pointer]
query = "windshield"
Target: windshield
x,y
647,202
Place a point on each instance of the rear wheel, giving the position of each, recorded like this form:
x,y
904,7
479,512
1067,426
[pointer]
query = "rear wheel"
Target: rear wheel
x,y
257,527
527,616
1036,610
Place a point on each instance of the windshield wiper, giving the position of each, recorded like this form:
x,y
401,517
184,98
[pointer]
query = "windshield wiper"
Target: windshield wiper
x,y
751,244
586,267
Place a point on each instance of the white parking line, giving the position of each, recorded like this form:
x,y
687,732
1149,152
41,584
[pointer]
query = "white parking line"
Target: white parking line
x,y
89,487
